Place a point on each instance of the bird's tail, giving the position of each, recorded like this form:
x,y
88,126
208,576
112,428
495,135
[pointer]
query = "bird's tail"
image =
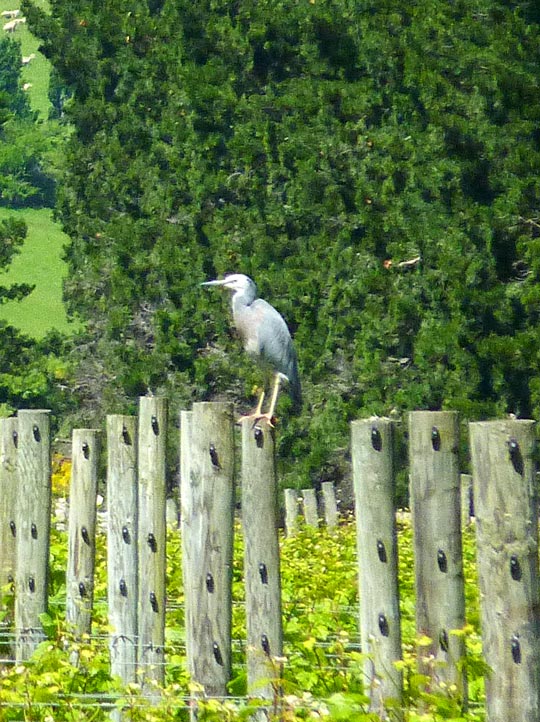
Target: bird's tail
x,y
296,394
295,387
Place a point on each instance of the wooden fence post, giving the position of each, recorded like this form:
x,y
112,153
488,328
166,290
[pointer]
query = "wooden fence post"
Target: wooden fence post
x,y
329,503
374,486
122,544
506,509
86,448
8,529
33,529
261,562
436,513
152,536
207,523
8,497
291,511
309,503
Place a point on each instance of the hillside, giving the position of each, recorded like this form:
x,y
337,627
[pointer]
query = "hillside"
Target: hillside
x,y
40,261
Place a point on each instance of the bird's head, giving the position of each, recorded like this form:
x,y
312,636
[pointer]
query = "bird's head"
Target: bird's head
x,y
236,282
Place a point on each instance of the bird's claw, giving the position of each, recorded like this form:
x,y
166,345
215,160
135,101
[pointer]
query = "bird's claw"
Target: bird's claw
x,y
270,419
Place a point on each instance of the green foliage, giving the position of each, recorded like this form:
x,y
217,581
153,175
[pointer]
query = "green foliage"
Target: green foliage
x,y
323,668
320,148
31,373
22,178
24,144
10,79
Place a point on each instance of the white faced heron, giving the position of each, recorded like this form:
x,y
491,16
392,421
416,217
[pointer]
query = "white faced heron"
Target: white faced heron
x,y
265,335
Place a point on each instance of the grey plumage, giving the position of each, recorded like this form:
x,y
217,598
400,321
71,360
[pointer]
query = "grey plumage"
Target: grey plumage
x,y
264,333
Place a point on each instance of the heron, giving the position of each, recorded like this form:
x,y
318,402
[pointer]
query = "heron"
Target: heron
x,y
265,335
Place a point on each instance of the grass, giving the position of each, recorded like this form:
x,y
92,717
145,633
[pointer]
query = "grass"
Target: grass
x,y
38,70
40,263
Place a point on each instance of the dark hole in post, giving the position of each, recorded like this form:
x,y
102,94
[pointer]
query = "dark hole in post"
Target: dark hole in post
x,y
435,438
123,588
86,450
516,456
85,535
383,626
443,640
442,561
376,438
265,644
263,573
217,654
516,649
381,551
126,438
259,437
210,586
36,432
152,543
33,531
155,425
515,568
31,584
15,436
214,458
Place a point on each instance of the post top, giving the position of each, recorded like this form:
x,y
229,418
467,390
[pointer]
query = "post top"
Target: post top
x,y
504,422
33,411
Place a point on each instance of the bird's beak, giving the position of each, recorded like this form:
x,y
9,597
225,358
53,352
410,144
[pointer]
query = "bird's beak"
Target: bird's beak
x,y
214,283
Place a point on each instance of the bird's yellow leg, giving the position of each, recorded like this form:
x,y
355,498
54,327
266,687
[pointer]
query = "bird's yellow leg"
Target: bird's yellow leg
x,y
257,414
269,415
259,405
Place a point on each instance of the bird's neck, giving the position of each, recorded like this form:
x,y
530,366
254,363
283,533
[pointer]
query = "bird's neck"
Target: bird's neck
x,y
244,298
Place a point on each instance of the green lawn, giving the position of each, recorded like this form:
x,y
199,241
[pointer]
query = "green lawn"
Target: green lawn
x,y
37,71
40,263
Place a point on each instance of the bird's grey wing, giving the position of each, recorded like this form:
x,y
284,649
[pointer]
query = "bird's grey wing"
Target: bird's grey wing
x,y
274,339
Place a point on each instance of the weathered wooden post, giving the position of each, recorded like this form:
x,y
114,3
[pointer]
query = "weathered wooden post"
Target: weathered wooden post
x,y
8,529
8,497
506,510
122,544
309,503
86,449
372,446
152,536
261,562
436,513
291,511
207,525
33,529
330,504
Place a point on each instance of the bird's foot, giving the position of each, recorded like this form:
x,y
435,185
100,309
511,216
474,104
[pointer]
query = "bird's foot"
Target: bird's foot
x,y
256,417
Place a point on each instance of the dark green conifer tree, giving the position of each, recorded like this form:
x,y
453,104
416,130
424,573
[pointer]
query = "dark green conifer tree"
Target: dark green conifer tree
x,y
373,165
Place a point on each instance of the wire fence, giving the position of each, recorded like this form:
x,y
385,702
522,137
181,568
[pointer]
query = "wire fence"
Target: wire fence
x,y
408,637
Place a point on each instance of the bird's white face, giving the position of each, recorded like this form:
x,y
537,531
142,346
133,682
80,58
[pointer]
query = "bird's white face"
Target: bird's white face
x,y
236,282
